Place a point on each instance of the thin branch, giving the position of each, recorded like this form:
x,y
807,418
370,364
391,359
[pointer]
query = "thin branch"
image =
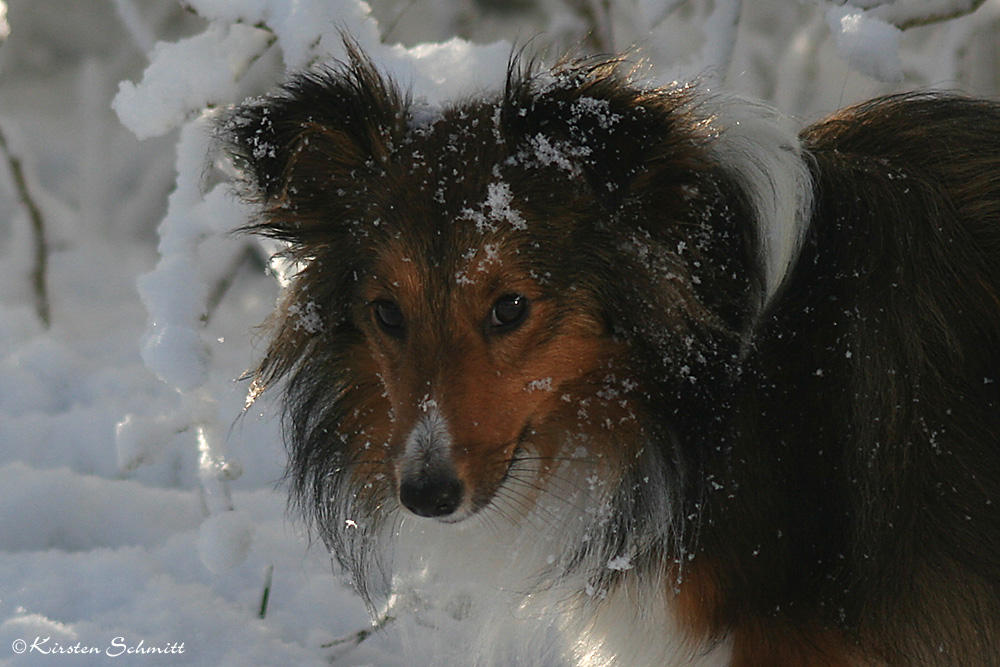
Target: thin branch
x,y
226,280
720,35
137,30
346,644
907,14
38,276
393,21
266,595
657,12
596,14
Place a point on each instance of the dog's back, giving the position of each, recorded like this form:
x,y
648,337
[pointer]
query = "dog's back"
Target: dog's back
x,y
899,285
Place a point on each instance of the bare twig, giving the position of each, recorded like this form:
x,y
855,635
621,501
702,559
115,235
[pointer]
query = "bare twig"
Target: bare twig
x,y
346,644
596,14
720,35
266,595
41,256
907,14
657,12
136,28
226,280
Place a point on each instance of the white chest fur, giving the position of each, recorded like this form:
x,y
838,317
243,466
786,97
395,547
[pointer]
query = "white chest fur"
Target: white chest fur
x,y
481,594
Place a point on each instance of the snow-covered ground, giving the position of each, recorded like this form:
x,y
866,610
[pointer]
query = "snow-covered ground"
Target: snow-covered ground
x,y
92,557
112,546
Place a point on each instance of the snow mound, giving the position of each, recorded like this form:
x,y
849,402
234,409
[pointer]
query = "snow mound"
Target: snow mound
x,y
868,44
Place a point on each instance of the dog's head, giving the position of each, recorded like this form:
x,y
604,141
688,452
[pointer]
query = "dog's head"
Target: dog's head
x,y
481,284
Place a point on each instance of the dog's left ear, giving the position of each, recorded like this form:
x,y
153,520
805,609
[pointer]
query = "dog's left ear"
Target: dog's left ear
x,y
615,129
309,153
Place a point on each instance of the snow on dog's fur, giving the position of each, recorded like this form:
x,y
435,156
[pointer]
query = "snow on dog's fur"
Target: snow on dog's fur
x,y
634,376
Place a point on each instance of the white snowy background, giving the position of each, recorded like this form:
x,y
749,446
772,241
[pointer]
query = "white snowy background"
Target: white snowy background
x,y
138,507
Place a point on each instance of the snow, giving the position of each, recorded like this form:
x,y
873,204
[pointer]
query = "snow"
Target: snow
x,y
224,540
140,508
499,200
869,44
169,93
620,563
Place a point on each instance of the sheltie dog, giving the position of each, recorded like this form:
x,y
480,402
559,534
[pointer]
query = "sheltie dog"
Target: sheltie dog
x,y
632,376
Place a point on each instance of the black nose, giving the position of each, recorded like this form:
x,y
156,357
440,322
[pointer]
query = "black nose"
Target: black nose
x,y
431,493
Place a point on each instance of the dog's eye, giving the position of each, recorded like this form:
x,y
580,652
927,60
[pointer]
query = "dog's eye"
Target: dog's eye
x,y
389,317
509,311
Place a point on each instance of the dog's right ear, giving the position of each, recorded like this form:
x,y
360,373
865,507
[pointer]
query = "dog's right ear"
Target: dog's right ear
x,y
309,152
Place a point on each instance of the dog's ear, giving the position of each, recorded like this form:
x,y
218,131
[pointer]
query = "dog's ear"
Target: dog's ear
x,y
615,130
309,153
